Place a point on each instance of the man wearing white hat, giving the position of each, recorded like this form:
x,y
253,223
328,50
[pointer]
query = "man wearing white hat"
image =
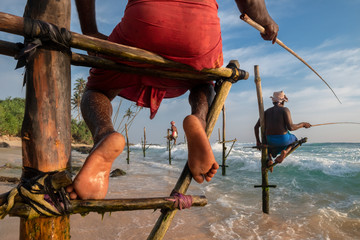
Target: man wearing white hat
x,y
278,123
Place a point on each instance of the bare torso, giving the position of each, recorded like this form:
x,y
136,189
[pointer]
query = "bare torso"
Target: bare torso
x,y
276,120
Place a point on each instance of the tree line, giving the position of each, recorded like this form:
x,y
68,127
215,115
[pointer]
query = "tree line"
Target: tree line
x,y
12,114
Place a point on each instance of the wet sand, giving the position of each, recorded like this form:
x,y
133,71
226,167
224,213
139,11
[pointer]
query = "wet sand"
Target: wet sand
x,y
129,225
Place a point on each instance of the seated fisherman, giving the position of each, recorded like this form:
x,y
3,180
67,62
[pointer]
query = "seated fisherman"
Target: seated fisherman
x,y
174,132
278,123
186,31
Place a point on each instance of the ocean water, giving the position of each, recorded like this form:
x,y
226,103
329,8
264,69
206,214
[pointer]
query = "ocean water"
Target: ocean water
x,y
317,196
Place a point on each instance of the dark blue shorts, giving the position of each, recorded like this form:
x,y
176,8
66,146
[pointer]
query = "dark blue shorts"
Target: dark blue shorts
x,y
277,143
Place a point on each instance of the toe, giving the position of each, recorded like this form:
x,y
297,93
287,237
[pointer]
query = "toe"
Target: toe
x,y
199,178
207,178
69,188
73,195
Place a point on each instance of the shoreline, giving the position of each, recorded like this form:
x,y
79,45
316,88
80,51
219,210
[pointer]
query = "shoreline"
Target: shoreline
x,y
16,142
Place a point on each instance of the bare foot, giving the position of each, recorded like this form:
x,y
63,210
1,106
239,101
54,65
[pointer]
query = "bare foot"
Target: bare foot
x,y
201,160
92,181
269,163
282,156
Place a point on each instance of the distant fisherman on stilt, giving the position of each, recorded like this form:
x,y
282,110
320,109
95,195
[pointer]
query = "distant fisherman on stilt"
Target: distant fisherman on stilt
x,y
278,123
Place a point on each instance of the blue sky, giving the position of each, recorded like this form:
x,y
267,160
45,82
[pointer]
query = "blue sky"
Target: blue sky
x,y
323,32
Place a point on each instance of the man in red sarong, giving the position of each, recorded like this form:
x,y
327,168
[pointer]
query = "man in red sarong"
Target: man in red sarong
x,y
186,31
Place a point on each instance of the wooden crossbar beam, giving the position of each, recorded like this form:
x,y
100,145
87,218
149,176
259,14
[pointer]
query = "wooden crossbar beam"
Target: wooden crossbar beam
x,y
11,49
63,179
227,141
267,186
15,25
295,146
21,209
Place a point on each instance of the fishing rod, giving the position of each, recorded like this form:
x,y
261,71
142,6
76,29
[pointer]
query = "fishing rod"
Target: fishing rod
x,y
261,29
313,125
322,124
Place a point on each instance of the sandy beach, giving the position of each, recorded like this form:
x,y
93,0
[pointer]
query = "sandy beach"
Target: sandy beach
x,y
117,225
316,196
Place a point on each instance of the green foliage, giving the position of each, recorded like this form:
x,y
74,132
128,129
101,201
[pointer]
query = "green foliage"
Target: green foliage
x,y
79,90
80,133
11,116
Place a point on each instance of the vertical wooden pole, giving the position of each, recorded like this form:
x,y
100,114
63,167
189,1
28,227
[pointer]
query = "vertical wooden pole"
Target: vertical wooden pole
x,y
127,145
223,144
219,135
169,145
46,136
144,146
264,155
183,183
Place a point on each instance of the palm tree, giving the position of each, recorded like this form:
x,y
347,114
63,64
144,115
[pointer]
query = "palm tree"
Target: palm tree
x,y
79,90
129,116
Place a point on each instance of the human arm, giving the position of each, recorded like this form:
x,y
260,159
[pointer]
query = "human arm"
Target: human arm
x,y
289,123
256,10
256,131
87,18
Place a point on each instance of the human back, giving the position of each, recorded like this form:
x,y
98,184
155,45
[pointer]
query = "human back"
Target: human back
x,y
275,120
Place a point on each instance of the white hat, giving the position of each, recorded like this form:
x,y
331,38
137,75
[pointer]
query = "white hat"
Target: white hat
x,y
279,97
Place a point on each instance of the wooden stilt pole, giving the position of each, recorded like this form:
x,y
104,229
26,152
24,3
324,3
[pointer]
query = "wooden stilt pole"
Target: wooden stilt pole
x,y
223,143
219,135
144,145
163,222
127,144
169,145
264,155
46,128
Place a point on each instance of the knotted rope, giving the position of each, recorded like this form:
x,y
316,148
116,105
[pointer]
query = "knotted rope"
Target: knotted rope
x,y
181,201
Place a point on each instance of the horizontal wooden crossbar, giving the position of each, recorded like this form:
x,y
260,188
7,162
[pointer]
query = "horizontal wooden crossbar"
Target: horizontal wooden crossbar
x,y
15,25
11,49
21,209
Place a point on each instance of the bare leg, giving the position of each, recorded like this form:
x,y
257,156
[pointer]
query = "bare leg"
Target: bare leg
x,y
201,159
270,162
282,155
93,179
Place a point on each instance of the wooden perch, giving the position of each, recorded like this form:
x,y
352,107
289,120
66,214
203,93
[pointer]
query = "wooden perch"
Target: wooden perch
x,y
14,24
11,49
62,179
296,145
112,205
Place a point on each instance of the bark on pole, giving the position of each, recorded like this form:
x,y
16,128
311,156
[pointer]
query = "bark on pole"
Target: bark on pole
x,y
169,145
223,143
46,135
127,144
264,171
144,145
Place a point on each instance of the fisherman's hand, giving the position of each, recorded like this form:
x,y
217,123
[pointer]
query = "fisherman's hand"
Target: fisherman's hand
x,y
258,145
307,125
271,32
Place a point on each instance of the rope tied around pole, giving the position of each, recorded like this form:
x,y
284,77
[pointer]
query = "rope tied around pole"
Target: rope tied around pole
x,y
41,193
181,201
38,33
236,75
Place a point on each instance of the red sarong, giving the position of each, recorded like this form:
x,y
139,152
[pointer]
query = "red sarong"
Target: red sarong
x,y
186,31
